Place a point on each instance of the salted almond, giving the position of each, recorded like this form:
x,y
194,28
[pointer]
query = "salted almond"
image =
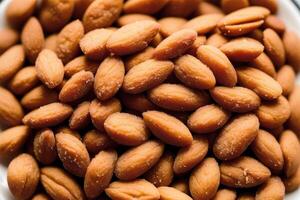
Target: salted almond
x,y
216,40
200,40
144,6
50,42
178,8
99,111
23,176
272,5
289,39
207,8
11,112
242,49
137,102
286,77
219,64
168,128
244,172
8,38
207,119
131,18
78,64
99,173
101,14
268,151
264,63
258,81
138,58
193,73
229,6
204,23
137,160
181,185
243,21
140,188
49,68
133,37
175,45
292,183
96,141
225,194
172,193
10,62
48,115
170,25
18,12
80,117
236,99
146,75
272,189
205,179
275,23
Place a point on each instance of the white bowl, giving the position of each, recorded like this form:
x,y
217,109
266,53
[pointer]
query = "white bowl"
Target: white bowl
x,y
287,12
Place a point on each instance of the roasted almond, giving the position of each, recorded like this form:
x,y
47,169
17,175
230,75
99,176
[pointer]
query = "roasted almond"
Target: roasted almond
x,y
264,63
180,8
292,183
81,116
172,193
225,194
286,78
96,141
229,6
8,38
144,6
203,24
289,40
138,58
170,25
131,18
272,189
137,102
78,64
216,40
18,12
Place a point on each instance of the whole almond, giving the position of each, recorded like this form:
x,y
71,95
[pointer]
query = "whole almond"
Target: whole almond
x,y
286,78
272,189
18,12
131,18
170,25
133,37
244,172
137,160
180,8
140,188
81,116
295,114
264,63
168,128
60,185
203,24
146,75
78,64
272,5
205,188
49,68
236,99
138,58
292,183
225,194
99,173
96,141
48,115
289,39
137,102
172,193
50,42
144,6
9,37
229,6
216,40
200,40
219,64
207,119
23,176
236,136
275,23
181,185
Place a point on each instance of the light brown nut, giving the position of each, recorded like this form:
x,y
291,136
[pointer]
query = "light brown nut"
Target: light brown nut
x,y
170,25
204,23
131,18
126,129
11,112
274,114
60,185
50,42
144,6
77,87
244,172
99,111
257,34
193,73
168,128
207,119
236,136
246,196
48,115
219,64
216,40
275,23
17,12
274,47
225,194
290,148
273,189
133,37
32,38
44,147
8,38
295,114
99,173
140,188
10,62
68,41
175,45
292,183
167,193
49,68
67,130
80,117
258,81
268,151
109,78
286,78
40,196
236,99
80,8
205,7
23,176
73,154
229,6
200,40
181,185
289,39
146,75
188,157
242,49
137,102
101,14
38,97
12,140
179,8
205,179
243,21
93,44
78,64
138,160
138,58
96,141
264,63
272,5
161,174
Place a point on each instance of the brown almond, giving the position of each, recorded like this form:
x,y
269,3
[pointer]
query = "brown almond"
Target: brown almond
x,y
67,130
144,6
275,23
216,40
170,25
229,6
168,128
236,136
181,185
292,183
272,189
286,78
96,141
138,58
137,160
8,38
50,42
80,117
207,8
18,12
40,196
264,63
78,64
200,40
131,18
295,114
225,194
172,193
272,5
137,102
203,24
289,39
178,8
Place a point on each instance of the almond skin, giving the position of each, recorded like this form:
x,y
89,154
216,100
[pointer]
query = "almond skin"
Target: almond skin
x,y
181,185
272,5
133,37
216,40
137,102
178,8
170,25
96,141
289,40
50,42
99,173
172,193
78,64
41,197
225,194
18,12
232,5
80,7
48,115
23,176
144,6
286,78
9,37
80,117
235,137
292,183
138,58
272,189
168,128
137,160
295,114
131,18
264,63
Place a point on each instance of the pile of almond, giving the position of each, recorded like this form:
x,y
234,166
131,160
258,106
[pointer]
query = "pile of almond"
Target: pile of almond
x,y
149,100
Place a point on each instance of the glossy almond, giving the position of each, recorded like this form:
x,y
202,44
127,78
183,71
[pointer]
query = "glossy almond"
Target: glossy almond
x,y
96,141
172,193
264,63
144,6
138,58
78,64
18,12
170,25
286,78
137,102
289,40
81,116
272,189
131,18
203,24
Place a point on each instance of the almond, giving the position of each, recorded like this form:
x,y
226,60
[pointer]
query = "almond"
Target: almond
x,y
275,23
216,40
229,6
200,40
286,78
207,8
144,6
81,116
289,40
96,141
292,183
225,194
172,193
67,130
8,38
170,25
295,114
180,8
41,197
168,128
138,58
203,24
272,5
50,42
272,189
131,18
137,102
181,185
18,12
246,196
264,63
78,64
